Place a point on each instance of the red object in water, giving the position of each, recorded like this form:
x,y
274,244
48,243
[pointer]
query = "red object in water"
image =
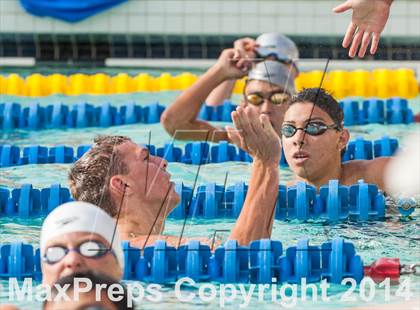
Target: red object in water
x,y
384,268
417,118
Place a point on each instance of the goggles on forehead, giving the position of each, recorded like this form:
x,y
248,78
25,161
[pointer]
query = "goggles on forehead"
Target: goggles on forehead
x,y
277,57
88,249
312,128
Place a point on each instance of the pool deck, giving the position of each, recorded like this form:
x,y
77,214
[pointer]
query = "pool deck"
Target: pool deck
x,y
304,64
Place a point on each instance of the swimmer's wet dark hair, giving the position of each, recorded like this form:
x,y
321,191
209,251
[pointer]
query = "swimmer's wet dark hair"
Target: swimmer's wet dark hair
x,y
90,175
324,100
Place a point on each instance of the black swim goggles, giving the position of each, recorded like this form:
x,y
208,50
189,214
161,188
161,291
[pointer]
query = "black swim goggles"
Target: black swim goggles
x,y
275,98
88,249
312,128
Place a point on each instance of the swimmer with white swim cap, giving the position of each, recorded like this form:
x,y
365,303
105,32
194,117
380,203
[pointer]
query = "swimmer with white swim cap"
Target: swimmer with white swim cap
x,y
267,91
76,237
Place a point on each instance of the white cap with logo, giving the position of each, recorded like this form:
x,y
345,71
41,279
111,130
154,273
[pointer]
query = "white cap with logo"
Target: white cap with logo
x,y
79,216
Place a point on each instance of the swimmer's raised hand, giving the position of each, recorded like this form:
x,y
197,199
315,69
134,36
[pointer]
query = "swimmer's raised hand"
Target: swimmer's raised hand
x,y
246,46
232,65
367,23
255,135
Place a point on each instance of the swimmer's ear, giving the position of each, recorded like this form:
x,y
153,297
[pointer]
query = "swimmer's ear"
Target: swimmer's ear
x,y
116,183
343,139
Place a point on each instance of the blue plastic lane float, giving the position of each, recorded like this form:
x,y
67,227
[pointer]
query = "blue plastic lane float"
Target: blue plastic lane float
x,y
162,262
366,202
264,256
9,116
16,261
385,147
335,202
358,149
373,111
27,202
193,261
193,153
301,200
260,262
170,152
352,114
9,155
397,111
229,264
340,261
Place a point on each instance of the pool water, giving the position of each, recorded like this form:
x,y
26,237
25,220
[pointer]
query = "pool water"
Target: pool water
x,y
391,238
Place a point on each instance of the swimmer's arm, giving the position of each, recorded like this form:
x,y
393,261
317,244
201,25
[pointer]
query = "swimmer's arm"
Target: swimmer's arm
x,y
256,218
221,93
180,118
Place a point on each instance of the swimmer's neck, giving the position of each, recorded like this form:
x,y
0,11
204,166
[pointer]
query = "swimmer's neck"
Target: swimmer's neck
x,y
141,219
317,181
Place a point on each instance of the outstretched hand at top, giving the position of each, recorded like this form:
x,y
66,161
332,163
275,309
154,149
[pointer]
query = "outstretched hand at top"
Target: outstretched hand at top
x,y
368,21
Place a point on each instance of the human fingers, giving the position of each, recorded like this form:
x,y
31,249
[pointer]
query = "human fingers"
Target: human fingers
x,y
244,64
247,130
242,42
266,125
236,121
365,42
235,137
343,7
349,34
375,42
356,42
254,121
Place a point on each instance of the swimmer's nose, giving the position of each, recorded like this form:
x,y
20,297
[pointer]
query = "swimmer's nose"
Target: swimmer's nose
x,y
299,138
266,107
73,261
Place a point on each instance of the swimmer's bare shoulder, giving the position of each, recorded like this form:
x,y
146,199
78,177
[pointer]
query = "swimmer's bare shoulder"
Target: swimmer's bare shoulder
x,y
371,171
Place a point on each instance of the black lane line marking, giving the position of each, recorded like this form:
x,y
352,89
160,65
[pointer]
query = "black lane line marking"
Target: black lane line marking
x,y
187,211
156,218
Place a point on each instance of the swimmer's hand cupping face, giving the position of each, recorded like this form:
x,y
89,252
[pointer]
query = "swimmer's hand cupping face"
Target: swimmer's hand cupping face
x,y
368,21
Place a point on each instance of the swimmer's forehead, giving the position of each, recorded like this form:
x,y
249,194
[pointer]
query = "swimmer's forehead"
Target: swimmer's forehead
x,y
130,147
74,239
303,112
262,86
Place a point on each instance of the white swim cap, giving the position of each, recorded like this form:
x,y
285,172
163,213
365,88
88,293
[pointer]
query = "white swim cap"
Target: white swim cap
x,y
275,73
278,45
79,216
402,176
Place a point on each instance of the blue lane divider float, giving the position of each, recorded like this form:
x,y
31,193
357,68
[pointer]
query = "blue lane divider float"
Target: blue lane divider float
x,y
33,116
194,153
260,262
373,111
334,202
